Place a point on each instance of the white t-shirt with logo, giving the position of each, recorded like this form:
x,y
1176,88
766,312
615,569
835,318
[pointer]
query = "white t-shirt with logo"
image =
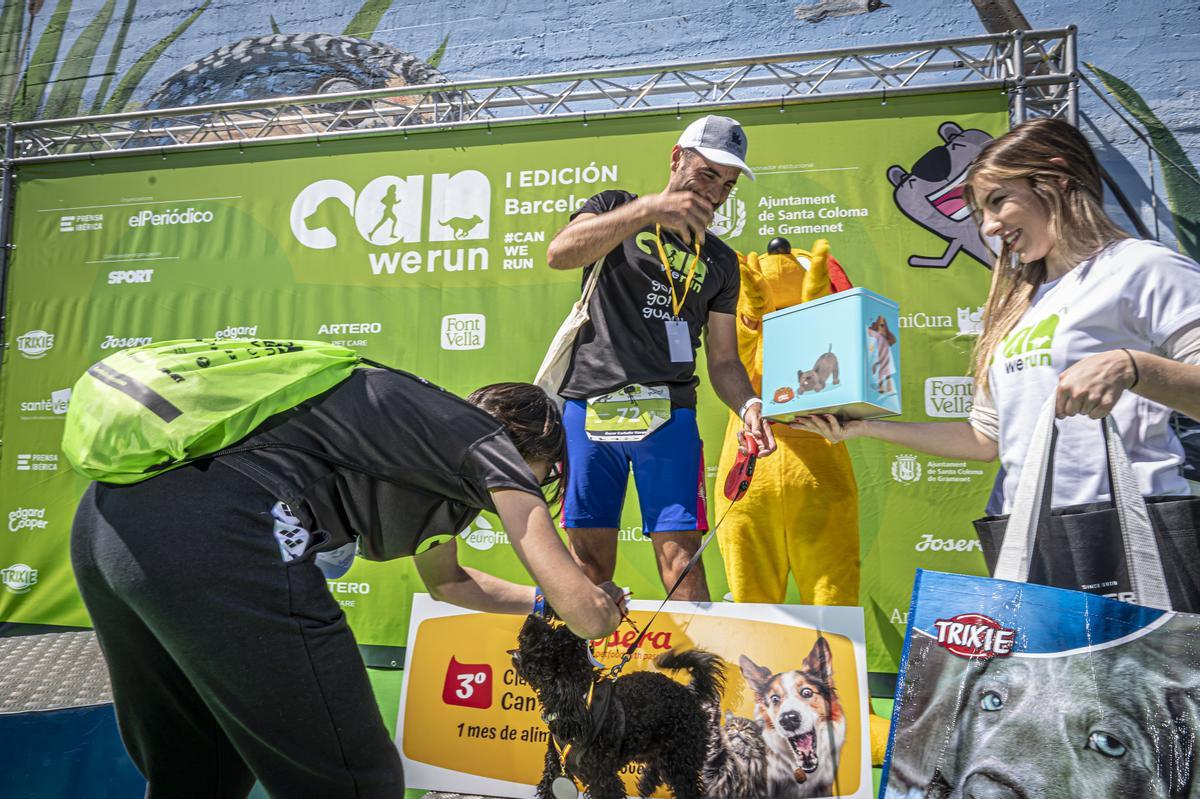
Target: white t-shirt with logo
x,y
1134,294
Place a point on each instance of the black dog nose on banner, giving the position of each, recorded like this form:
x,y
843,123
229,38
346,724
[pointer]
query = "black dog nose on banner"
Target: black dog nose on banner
x,y
779,246
790,720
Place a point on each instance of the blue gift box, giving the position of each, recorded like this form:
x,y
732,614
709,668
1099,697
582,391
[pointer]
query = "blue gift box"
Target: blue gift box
x,y
839,354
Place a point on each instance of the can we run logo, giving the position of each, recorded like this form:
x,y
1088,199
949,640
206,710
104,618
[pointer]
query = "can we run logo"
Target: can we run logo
x,y
389,212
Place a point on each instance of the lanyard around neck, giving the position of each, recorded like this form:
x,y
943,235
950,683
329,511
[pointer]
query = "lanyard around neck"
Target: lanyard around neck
x,y
676,305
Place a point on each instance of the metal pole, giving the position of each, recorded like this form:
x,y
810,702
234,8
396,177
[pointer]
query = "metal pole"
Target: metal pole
x,y
1018,71
1071,67
6,206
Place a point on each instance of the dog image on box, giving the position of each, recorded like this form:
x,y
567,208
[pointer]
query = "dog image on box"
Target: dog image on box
x,y
824,370
1113,723
802,721
880,341
598,725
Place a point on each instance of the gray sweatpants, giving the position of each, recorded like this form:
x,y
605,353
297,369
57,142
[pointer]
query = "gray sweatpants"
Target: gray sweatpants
x,y
227,663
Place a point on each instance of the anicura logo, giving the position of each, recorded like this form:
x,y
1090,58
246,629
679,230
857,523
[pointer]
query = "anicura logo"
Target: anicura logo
x,y
906,468
27,519
390,211
949,397
974,636
482,536
35,344
464,331
19,578
968,321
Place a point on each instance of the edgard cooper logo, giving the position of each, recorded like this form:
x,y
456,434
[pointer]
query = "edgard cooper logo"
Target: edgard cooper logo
x,y
27,519
390,210
19,578
906,468
974,636
35,344
464,331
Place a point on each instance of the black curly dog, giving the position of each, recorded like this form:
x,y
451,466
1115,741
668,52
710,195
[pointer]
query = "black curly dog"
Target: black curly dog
x,y
643,717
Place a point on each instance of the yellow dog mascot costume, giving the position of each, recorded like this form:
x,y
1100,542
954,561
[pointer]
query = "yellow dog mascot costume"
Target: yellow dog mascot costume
x,y
800,514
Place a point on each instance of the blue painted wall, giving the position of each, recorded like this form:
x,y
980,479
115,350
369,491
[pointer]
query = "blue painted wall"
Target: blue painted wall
x,y
1154,47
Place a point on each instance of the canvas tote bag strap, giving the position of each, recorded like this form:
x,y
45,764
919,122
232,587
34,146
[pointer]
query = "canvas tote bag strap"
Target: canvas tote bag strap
x,y
590,286
1146,575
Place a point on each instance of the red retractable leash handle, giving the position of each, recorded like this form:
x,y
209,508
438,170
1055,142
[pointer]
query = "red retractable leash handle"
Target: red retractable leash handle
x,y
737,482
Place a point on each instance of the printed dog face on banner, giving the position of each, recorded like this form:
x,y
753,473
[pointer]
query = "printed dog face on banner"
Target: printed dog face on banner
x,y
1114,720
802,722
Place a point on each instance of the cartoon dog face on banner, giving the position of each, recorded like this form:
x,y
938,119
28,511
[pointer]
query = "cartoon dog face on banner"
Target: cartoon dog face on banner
x,y
931,194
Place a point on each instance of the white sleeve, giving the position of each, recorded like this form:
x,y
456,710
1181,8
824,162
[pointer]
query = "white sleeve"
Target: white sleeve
x,y
1162,295
984,417
1184,346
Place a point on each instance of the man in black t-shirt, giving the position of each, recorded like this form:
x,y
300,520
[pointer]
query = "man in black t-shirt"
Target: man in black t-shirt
x,y
229,658
631,384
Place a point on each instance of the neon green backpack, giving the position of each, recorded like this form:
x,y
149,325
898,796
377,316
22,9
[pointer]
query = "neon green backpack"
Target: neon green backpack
x,y
147,409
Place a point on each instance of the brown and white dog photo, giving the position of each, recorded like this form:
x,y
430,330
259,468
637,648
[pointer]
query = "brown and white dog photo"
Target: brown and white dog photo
x,y
802,721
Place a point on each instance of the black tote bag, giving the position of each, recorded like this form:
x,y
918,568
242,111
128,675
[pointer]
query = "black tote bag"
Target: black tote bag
x,y
1088,547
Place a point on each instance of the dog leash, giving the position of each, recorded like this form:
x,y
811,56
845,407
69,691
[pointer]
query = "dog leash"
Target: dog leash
x,y
737,483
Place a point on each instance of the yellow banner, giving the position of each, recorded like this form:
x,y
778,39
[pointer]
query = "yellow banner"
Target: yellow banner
x,y
469,723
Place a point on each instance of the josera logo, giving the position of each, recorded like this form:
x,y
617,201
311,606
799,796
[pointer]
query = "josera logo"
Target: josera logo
x,y
390,210
974,636
468,685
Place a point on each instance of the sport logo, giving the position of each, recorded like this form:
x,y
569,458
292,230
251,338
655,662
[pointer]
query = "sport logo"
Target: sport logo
x,y
974,636
19,578
468,685
27,519
949,397
464,331
35,344
389,209
906,468
130,276
730,219
482,536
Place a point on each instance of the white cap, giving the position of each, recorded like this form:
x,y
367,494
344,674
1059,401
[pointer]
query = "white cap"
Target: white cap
x,y
720,140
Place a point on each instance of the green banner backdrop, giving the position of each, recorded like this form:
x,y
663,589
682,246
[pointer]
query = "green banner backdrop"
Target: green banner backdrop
x,y
427,252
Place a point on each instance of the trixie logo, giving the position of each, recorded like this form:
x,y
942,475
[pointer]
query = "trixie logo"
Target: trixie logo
x,y
19,578
171,216
464,331
974,636
35,344
27,519
390,210
619,640
468,685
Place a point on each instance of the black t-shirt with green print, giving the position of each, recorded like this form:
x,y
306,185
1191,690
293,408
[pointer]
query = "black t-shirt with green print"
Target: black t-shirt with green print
x,y
626,340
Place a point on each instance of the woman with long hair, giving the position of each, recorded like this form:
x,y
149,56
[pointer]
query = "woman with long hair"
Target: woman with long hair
x,y
1077,310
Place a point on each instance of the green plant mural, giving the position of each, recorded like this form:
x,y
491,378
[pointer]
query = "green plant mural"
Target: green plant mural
x,y
43,93
1179,173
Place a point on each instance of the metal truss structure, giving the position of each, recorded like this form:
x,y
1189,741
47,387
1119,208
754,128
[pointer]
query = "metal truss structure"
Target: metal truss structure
x,y
1036,68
